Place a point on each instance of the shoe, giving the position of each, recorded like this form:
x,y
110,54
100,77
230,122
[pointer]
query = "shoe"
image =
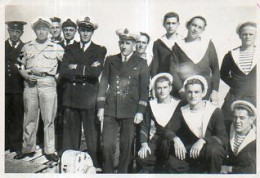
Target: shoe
x,y
21,155
52,157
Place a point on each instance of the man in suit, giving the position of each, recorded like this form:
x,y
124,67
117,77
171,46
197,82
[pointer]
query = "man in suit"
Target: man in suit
x,y
69,29
13,88
122,98
55,29
80,69
38,66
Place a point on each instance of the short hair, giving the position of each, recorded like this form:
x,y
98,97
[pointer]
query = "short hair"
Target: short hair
x,y
169,15
244,107
146,35
196,17
162,79
194,81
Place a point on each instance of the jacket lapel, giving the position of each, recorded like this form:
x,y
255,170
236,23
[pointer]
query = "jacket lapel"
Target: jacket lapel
x,y
127,66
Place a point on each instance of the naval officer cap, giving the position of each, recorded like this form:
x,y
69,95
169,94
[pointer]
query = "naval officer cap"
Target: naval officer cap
x,y
87,23
15,25
127,34
68,23
41,21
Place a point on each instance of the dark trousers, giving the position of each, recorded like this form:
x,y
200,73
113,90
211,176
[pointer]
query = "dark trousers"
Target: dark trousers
x,y
126,129
14,121
210,159
154,162
72,119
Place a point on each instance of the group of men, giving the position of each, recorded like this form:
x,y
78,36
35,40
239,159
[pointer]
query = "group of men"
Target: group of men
x,y
47,75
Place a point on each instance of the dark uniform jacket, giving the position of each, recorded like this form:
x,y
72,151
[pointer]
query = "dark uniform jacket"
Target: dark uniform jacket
x,y
245,160
215,130
124,86
80,85
13,79
240,84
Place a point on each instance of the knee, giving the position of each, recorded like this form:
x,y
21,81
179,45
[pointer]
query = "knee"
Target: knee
x,y
215,151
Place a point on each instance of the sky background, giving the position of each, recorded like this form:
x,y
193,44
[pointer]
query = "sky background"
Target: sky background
x,y
222,18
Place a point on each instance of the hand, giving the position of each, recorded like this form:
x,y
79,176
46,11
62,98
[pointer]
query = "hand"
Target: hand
x,y
72,66
180,150
214,97
142,153
138,118
196,147
100,114
29,78
95,64
57,77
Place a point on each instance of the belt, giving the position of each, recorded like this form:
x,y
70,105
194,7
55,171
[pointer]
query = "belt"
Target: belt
x,y
42,74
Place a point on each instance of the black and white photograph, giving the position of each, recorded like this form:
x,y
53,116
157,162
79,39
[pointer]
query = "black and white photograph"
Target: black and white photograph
x,y
133,88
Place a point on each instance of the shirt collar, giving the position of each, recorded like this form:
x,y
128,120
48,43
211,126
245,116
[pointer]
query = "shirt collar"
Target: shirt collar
x,y
71,42
86,45
10,42
127,57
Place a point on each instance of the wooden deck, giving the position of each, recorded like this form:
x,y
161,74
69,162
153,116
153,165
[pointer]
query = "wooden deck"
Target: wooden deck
x,y
37,164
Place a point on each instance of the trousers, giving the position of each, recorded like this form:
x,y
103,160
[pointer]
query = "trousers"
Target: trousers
x,y
210,159
126,129
14,121
39,97
72,119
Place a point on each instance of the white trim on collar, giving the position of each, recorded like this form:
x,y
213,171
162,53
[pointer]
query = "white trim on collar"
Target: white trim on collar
x,y
163,111
194,50
235,55
171,41
206,115
251,136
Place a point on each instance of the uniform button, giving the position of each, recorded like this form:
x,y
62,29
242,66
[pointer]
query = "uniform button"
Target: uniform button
x,y
9,75
8,70
117,87
117,81
8,65
118,92
129,76
117,77
74,84
128,82
84,84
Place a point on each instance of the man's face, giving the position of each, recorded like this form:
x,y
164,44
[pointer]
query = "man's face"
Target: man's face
x,y
163,90
196,27
248,36
194,94
126,46
171,24
55,29
85,34
41,32
242,121
15,35
69,33
141,44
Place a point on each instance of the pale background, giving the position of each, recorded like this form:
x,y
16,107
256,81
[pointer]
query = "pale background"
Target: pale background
x,y
140,15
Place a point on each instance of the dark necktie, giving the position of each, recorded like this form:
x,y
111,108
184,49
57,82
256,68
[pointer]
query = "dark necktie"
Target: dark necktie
x,y
83,46
67,42
14,43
